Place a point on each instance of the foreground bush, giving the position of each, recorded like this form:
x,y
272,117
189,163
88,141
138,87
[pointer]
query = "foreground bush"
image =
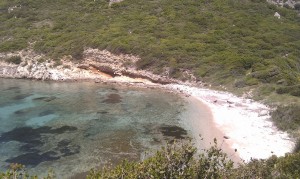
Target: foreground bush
x,y
173,161
181,161
287,117
17,171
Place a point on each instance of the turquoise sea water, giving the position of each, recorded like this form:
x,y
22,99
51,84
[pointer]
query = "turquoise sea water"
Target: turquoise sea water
x,y
72,127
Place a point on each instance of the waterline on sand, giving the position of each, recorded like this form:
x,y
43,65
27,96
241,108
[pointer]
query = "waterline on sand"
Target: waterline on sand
x,y
245,123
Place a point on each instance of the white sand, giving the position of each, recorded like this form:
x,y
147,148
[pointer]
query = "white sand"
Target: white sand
x,y
245,122
198,119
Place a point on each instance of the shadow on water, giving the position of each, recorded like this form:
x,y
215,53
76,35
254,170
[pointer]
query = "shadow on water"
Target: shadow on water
x,y
33,139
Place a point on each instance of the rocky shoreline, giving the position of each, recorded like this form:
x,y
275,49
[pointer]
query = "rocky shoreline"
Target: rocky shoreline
x,y
245,124
96,65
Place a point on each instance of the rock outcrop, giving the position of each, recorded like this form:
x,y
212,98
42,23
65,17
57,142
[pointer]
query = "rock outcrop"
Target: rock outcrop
x,y
114,1
293,4
99,65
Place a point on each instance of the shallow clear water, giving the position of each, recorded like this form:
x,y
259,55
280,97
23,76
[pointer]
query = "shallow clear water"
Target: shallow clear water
x,y
73,127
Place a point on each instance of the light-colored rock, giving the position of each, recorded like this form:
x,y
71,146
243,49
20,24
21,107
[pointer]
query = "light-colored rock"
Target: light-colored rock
x,y
96,64
114,1
285,3
277,15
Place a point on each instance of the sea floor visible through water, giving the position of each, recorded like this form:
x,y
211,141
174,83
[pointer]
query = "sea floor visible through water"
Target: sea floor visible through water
x,y
72,127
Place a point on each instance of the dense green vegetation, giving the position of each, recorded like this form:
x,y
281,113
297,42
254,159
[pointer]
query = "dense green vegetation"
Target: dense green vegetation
x,y
182,161
220,41
236,43
287,117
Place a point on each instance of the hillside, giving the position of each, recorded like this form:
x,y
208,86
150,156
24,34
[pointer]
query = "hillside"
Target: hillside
x,y
219,41
237,44
233,45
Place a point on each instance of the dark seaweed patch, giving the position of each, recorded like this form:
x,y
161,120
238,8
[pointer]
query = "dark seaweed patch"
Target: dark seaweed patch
x,y
23,134
46,99
66,148
28,134
33,159
102,112
45,113
149,105
71,150
22,112
63,143
31,146
33,140
174,131
21,96
113,98
62,129
12,88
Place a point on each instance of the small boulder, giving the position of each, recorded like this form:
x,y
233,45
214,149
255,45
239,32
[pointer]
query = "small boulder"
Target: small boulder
x,y
277,15
225,137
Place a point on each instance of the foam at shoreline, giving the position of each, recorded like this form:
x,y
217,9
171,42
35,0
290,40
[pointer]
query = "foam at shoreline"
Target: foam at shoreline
x,y
244,122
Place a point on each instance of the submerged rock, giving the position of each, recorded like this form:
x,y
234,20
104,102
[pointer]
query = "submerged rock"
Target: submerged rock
x,y
174,132
113,98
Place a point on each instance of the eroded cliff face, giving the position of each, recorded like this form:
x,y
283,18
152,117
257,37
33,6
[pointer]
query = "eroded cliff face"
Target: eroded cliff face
x,y
96,65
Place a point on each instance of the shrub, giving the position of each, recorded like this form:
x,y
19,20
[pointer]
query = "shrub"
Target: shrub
x,y
292,90
297,6
297,146
173,161
289,166
180,160
14,59
287,117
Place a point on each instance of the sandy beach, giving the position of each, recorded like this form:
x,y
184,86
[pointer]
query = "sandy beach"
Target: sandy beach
x,y
199,119
241,123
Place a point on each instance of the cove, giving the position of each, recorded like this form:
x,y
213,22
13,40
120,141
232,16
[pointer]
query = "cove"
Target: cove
x,y
71,127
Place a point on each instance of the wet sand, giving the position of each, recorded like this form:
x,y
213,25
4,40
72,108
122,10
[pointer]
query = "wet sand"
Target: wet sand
x,y
199,119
